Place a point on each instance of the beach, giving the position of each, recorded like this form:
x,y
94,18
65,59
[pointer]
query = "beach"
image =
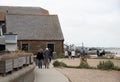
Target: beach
x,y
90,75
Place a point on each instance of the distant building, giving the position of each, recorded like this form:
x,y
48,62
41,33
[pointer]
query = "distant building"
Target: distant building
x,y
34,26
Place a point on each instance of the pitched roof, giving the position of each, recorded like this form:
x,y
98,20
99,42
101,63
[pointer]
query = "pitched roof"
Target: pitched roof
x,y
23,10
34,27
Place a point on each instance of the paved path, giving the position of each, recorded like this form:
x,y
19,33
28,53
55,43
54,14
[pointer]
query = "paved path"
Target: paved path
x,y
49,75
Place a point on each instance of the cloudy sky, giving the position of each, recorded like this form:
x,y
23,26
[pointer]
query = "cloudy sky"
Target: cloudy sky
x,y
96,23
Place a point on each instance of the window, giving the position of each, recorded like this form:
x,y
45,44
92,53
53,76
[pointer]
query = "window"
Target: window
x,y
25,47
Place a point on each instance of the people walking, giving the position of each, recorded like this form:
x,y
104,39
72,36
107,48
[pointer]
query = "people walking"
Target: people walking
x,y
103,52
72,54
98,52
66,53
46,55
51,54
40,58
69,54
83,55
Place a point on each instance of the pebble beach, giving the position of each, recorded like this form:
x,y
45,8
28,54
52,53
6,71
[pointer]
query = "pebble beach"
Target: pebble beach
x,y
90,75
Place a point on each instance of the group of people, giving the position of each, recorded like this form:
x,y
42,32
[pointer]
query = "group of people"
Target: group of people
x,y
100,52
70,54
44,56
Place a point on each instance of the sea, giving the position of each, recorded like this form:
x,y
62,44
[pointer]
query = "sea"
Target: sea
x,y
115,51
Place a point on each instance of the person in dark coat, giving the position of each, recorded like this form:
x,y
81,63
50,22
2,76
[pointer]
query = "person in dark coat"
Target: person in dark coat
x,y
69,54
103,52
98,52
40,58
51,53
46,55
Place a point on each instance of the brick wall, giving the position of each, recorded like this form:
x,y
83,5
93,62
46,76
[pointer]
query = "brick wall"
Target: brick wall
x,y
35,45
2,16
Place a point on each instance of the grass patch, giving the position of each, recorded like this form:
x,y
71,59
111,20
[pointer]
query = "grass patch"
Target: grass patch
x,y
84,65
118,58
56,56
108,65
117,68
59,64
103,65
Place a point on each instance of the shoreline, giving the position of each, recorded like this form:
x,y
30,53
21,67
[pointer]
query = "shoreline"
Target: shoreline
x,y
115,55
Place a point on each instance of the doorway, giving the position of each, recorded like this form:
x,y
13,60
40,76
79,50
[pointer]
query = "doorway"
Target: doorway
x,y
51,46
25,47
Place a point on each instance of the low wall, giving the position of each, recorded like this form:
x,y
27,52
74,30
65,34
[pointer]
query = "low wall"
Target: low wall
x,y
25,74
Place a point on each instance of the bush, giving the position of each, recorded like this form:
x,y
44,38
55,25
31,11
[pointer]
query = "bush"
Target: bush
x,y
84,65
56,63
58,56
117,68
59,64
118,58
105,65
110,56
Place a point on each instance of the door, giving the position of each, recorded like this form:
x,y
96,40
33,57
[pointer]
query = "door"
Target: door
x,y
51,47
2,47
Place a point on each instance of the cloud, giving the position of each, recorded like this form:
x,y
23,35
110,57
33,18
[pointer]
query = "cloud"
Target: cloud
x,y
94,22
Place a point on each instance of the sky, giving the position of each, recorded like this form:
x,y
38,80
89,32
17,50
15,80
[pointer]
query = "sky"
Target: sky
x,y
96,23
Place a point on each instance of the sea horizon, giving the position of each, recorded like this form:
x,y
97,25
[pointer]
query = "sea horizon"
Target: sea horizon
x,y
115,51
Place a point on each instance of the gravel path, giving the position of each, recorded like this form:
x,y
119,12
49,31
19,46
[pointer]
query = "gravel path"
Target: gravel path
x,y
90,75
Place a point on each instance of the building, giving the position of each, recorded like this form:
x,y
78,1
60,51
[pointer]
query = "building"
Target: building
x,y
34,27
11,42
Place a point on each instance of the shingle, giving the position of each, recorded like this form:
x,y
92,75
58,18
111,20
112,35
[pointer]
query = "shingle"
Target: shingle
x,y
35,27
